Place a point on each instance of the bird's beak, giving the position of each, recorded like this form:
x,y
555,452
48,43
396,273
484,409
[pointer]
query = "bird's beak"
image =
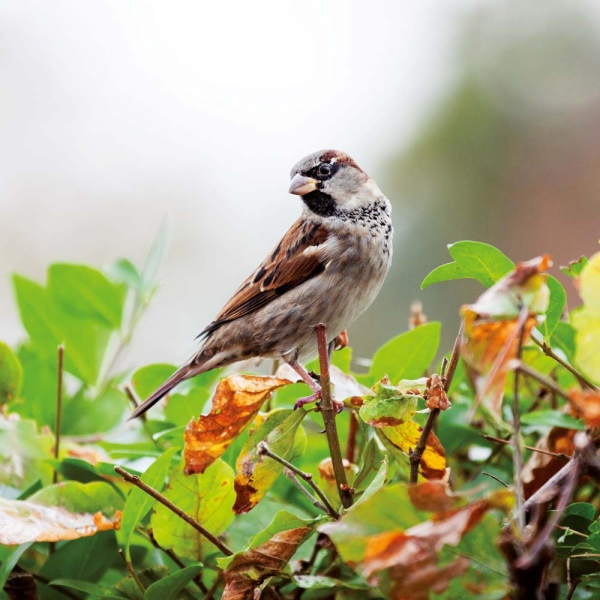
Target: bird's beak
x,y
301,185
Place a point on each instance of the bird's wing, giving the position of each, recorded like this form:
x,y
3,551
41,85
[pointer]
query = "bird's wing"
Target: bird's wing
x,y
293,261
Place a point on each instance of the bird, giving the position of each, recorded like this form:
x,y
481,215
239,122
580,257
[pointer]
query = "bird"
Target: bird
x,y
328,268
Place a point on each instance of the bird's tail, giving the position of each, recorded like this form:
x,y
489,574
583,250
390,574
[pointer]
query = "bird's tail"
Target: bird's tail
x,y
180,375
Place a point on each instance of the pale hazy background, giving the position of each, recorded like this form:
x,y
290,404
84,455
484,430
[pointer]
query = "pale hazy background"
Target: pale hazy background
x,y
479,119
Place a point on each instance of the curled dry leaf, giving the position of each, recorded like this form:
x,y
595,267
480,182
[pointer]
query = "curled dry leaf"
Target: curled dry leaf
x,y
404,564
236,402
541,467
432,496
435,394
248,572
493,325
22,521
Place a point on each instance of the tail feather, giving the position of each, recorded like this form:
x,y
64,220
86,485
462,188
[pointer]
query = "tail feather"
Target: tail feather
x,y
180,375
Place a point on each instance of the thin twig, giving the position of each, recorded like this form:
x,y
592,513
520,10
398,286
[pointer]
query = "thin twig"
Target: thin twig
x,y
197,580
547,350
495,478
518,453
416,454
574,583
351,442
496,440
264,450
59,395
573,531
182,515
545,381
132,572
294,479
328,412
550,488
215,585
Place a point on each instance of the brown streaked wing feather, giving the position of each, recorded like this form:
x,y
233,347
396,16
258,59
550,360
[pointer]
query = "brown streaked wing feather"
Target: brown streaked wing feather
x,y
285,268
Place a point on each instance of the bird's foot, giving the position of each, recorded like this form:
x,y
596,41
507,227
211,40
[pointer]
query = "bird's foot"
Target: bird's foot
x,y
316,396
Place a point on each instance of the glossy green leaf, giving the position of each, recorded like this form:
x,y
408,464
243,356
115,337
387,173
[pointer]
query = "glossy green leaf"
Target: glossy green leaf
x,y
207,497
87,293
148,378
551,418
84,415
407,356
482,261
563,339
11,376
93,589
256,475
446,272
556,306
170,586
138,503
580,509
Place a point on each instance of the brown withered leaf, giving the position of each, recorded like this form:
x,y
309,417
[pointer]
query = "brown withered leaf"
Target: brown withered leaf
x,y
405,438
248,572
22,521
493,325
435,394
541,467
432,496
404,564
236,402
586,405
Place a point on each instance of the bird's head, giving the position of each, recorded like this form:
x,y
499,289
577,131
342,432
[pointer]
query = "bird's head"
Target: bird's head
x,y
330,182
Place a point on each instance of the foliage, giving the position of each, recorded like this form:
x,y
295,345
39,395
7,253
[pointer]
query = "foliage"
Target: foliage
x,y
239,496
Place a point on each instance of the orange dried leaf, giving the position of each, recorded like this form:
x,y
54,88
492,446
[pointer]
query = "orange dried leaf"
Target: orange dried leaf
x,y
586,405
236,402
493,326
406,436
24,521
435,394
404,563
432,496
248,572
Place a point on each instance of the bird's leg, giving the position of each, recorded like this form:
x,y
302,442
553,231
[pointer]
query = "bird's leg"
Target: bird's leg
x,y
310,382
339,343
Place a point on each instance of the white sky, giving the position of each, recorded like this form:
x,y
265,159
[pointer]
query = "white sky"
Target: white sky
x,y
113,114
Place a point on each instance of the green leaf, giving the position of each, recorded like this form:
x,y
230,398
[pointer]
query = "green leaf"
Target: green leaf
x,y
123,271
587,320
257,475
574,268
580,509
388,406
563,339
482,261
155,258
170,586
11,375
446,272
556,306
87,293
378,482
81,497
321,582
183,407
138,503
9,562
93,589
407,356
84,415
551,418
207,497
148,378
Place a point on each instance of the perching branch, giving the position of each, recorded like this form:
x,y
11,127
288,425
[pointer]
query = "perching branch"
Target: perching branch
x,y
264,450
182,515
328,412
447,376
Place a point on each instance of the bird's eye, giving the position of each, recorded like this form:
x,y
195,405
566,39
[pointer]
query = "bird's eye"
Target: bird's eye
x,y
324,170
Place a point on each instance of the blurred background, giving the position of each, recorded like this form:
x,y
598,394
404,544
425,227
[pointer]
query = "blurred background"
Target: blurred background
x,y
479,120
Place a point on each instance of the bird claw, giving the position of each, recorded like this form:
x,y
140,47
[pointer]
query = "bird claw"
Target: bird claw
x,y
337,405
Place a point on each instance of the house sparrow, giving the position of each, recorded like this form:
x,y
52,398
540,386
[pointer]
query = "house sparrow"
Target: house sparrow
x,y
328,268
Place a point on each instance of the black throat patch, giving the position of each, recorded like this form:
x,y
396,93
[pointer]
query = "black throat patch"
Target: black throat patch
x,y
321,204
